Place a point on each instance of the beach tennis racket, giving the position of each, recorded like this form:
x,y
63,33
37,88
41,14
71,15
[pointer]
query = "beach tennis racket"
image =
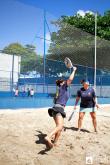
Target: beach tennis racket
x,y
68,63
71,116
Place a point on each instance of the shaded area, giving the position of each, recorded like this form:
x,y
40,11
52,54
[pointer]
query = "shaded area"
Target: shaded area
x,y
75,129
41,140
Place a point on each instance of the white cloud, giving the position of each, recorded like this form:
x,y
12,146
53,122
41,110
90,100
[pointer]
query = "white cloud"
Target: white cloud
x,y
48,38
90,12
82,12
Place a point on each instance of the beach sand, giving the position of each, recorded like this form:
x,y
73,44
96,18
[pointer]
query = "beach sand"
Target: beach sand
x,y
22,142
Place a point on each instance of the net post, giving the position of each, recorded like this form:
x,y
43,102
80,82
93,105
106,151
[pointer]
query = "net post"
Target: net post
x,y
95,60
44,48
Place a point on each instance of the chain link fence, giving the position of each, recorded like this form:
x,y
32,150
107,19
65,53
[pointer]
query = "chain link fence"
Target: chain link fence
x,y
54,40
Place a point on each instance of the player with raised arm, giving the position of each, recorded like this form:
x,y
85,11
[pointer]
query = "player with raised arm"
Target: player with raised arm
x,y
57,111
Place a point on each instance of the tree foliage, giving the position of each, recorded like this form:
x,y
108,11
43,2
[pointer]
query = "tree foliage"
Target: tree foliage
x,y
29,59
87,23
75,39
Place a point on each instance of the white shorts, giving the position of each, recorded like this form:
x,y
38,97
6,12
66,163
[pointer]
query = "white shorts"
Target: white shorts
x,y
93,109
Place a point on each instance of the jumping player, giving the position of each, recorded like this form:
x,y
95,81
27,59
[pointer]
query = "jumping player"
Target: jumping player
x,y
57,111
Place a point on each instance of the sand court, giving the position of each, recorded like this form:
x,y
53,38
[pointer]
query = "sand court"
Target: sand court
x,y
22,135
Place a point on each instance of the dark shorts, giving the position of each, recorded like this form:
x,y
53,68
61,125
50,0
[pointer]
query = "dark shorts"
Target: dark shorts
x,y
56,111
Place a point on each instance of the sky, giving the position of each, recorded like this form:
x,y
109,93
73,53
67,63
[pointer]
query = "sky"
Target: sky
x,y
69,7
22,20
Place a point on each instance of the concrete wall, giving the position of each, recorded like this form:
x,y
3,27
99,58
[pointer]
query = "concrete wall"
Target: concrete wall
x,y
7,64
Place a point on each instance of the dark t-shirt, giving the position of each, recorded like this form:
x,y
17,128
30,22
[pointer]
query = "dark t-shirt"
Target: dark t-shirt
x,y
63,94
87,97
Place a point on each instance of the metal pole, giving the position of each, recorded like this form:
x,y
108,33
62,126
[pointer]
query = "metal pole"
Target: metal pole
x,y
44,48
12,73
86,73
95,62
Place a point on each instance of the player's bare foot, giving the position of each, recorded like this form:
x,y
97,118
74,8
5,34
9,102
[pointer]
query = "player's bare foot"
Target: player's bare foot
x,y
48,140
96,131
56,144
78,130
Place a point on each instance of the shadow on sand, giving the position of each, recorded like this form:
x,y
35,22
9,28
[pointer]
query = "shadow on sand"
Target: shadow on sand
x,y
76,129
41,140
